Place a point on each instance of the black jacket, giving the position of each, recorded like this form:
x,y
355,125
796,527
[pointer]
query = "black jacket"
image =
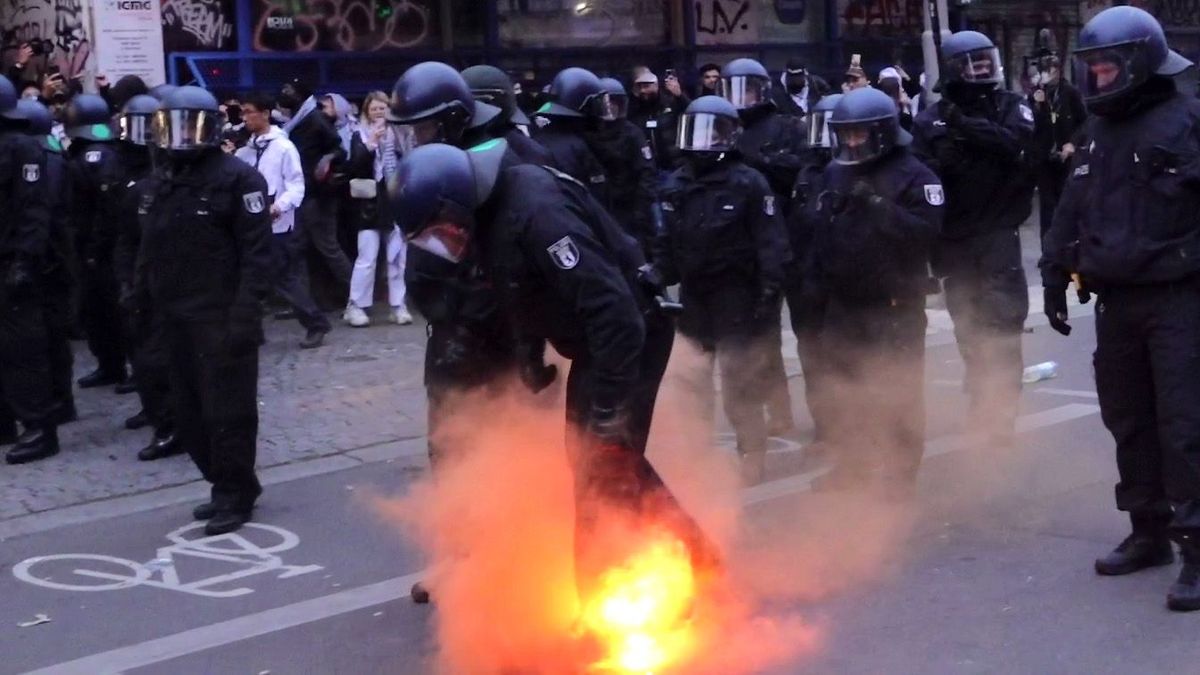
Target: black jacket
x,y
628,161
135,167
25,227
96,176
659,121
1057,120
314,138
817,87
772,144
1129,212
563,139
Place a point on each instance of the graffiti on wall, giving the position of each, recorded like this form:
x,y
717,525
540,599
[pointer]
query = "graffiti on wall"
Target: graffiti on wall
x,y
198,25
1173,13
722,22
343,25
60,25
881,18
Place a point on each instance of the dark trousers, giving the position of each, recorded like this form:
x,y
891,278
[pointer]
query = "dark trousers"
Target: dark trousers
x,y
807,313
1148,379
876,378
25,376
316,224
102,317
215,394
150,355
290,283
56,310
1051,181
779,398
988,300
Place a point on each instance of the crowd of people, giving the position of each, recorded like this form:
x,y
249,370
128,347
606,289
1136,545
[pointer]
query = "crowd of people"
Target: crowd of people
x,y
159,221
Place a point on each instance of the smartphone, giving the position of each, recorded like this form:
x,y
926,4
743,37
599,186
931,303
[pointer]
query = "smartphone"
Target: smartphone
x,y
670,73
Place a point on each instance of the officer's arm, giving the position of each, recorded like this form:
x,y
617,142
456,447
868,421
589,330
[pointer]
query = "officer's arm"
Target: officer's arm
x,y
141,286
924,134
128,234
1078,109
1008,138
253,234
770,237
918,212
1056,263
584,277
661,250
293,181
646,200
30,216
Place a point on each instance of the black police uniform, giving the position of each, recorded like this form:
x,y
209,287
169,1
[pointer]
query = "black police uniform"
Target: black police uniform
x,y
25,236
724,242
659,121
563,138
977,148
1127,224
873,227
205,266
1057,120
95,170
60,283
628,161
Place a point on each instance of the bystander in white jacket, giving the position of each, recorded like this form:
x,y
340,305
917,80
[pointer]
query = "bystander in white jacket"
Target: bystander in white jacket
x,y
277,160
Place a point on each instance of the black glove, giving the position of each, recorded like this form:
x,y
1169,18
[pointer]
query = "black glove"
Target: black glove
x,y
608,425
537,376
19,278
1055,305
651,279
864,196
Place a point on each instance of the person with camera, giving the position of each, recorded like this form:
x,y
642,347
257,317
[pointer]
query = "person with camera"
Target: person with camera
x,y
1058,114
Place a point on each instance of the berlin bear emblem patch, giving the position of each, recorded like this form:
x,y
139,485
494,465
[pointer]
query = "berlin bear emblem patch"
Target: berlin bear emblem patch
x,y
934,195
254,202
564,253
31,173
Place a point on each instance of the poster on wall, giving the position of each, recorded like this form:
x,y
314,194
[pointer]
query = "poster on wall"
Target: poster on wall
x,y
128,36
344,25
199,25
539,23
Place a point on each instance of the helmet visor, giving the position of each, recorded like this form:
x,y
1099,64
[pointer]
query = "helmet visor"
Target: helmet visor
x,y
1108,72
745,91
620,105
981,66
858,142
600,106
421,132
136,129
186,129
496,97
706,132
818,129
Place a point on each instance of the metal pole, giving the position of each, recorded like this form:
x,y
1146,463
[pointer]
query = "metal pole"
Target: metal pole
x,y
931,45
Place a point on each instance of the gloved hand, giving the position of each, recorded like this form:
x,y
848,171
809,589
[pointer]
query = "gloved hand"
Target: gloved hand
x,y
19,278
952,115
651,279
863,195
537,376
244,333
608,425
1055,305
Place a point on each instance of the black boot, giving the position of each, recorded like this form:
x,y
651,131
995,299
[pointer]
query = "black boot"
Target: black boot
x,y
126,387
420,594
163,445
205,511
1147,547
100,378
313,339
1184,594
33,445
138,421
225,521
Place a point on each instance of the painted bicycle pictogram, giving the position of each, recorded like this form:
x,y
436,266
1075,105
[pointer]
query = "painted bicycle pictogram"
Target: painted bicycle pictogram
x,y
92,572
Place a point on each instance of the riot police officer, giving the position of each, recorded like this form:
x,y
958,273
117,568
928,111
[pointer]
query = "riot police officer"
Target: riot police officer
x,y
770,144
875,214
493,86
144,331
975,139
628,161
575,96
806,303
1127,225
25,232
567,275
723,240
205,267
95,169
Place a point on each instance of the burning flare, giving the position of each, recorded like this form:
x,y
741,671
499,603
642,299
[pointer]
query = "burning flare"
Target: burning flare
x,y
640,612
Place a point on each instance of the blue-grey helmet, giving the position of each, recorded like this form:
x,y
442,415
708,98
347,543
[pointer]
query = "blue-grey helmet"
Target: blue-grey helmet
x,y
818,121
710,124
970,57
1119,50
745,83
866,127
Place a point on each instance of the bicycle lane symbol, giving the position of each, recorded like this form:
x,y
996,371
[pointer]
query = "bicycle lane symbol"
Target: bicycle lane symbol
x,y
237,549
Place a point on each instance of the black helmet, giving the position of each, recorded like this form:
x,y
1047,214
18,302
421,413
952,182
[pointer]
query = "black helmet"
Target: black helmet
x,y
818,121
745,83
436,190
577,92
160,91
493,86
617,95
35,115
970,57
865,126
88,118
136,119
1119,50
710,124
436,101
8,94
188,120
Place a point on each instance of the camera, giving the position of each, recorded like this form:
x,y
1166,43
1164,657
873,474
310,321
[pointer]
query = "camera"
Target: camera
x,y
41,47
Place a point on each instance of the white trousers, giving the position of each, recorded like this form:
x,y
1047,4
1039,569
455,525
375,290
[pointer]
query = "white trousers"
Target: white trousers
x,y
362,281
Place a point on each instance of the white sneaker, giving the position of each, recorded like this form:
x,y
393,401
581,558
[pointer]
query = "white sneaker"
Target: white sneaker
x,y
356,317
401,316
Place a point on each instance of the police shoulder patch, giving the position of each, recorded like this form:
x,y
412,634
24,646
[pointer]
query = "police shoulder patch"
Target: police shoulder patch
x,y
769,205
564,253
934,195
32,173
254,202
647,152
145,204
668,206
1026,112
1082,170
91,156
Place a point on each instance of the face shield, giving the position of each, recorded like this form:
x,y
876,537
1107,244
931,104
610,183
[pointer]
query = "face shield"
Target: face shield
x,y
137,129
1109,72
186,129
745,91
859,142
496,97
981,66
447,236
818,129
706,132
620,105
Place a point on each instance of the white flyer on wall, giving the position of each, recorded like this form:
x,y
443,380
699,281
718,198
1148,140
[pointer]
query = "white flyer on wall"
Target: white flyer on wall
x,y
129,39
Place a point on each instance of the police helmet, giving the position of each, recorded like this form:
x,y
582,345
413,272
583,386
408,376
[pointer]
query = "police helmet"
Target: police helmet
x,y
435,101
818,121
136,119
493,86
160,91
188,120
89,118
969,57
617,96
745,83
8,94
577,92
710,124
1119,50
865,126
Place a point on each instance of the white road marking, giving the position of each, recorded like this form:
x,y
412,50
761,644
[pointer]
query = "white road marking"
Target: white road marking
x,y
1077,393
343,602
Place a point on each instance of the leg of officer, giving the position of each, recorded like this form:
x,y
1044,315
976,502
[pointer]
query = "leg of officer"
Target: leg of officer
x,y
743,363
25,378
57,312
184,372
102,322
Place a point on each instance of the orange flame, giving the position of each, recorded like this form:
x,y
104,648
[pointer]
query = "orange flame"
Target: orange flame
x,y
641,611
